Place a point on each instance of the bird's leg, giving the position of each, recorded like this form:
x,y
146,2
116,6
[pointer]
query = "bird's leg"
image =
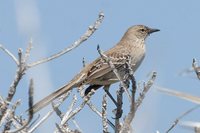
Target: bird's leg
x,y
119,110
106,89
118,103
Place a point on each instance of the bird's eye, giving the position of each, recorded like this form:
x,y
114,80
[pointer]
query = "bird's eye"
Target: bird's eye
x,y
142,30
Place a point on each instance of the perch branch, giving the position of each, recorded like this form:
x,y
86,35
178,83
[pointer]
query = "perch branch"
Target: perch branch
x,y
112,66
129,118
95,110
119,110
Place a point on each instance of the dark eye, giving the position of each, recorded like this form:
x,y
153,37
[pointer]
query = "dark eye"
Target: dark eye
x,y
142,30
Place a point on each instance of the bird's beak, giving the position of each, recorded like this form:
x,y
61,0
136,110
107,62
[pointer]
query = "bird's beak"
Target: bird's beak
x,y
153,30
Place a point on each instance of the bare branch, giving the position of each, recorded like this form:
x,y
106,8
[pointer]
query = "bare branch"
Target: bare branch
x,y
83,38
145,90
12,89
191,124
181,95
41,121
28,50
129,118
30,113
104,114
61,99
76,124
196,68
78,109
181,116
9,115
112,66
69,110
59,129
9,54
94,109
57,110
18,76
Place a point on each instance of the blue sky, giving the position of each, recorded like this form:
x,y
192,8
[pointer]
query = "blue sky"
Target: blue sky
x,y
54,25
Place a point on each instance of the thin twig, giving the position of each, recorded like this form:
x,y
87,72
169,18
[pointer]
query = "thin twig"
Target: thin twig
x,y
76,124
60,100
57,110
78,109
129,118
179,94
145,90
119,110
196,68
59,129
12,89
181,116
9,54
112,66
28,50
8,118
19,74
30,112
69,110
10,113
104,114
41,121
95,110
83,38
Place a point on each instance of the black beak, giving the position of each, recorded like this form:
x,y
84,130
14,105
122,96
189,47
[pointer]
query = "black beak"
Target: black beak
x,y
153,30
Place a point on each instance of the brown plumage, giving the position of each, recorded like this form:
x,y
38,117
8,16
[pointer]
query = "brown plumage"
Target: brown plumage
x,y
130,48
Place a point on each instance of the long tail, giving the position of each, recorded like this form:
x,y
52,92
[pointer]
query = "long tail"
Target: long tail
x,y
45,101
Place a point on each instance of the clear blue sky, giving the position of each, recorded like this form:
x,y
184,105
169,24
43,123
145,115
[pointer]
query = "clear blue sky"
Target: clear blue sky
x,y
54,25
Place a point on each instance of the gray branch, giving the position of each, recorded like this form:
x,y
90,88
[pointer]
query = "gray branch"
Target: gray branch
x,y
104,114
112,66
83,38
9,54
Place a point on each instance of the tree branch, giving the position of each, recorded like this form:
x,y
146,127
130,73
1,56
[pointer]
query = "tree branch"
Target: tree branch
x,y
83,38
104,114
9,54
196,68
145,90
181,116
112,66
129,118
30,112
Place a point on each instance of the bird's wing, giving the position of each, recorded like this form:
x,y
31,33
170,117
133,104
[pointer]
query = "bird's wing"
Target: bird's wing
x,y
100,67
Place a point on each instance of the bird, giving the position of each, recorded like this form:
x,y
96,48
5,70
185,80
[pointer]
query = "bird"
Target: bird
x,y
130,49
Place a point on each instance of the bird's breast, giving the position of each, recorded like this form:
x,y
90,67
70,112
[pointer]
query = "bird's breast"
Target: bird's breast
x,y
137,55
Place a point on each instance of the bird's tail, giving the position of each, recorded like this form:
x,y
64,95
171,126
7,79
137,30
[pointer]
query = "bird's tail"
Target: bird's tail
x,y
48,99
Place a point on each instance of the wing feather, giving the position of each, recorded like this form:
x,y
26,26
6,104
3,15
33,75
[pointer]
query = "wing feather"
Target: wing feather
x,y
100,67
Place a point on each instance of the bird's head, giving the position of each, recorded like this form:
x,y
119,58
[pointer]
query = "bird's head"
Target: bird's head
x,y
139,32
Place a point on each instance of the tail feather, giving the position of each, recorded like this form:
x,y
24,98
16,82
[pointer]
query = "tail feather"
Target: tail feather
x,y
47,100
